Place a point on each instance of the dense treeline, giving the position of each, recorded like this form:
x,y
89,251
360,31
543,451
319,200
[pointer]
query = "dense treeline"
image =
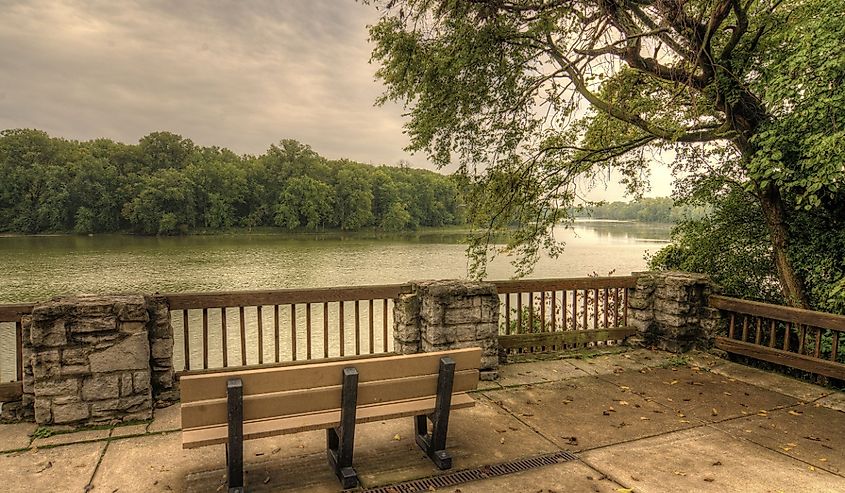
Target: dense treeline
x,y
651,210
166,184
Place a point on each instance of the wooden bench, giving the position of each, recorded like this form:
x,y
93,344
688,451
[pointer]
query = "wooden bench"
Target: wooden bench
x,y
233,405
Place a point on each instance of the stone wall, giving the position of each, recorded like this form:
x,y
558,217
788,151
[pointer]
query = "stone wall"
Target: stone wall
x,y
440,315
670,312
95,359
160,331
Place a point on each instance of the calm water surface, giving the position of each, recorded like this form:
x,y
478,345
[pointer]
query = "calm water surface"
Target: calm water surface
x,y
34,268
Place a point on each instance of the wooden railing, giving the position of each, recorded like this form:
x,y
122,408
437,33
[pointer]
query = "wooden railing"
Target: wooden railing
x,y
11,379
803,339
213,330
222,329
539,315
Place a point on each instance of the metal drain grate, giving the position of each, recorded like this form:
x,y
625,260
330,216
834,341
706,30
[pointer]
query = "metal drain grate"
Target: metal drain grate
x,y
484,472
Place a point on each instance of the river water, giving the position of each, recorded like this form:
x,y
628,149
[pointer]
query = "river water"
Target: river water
x,y
34,268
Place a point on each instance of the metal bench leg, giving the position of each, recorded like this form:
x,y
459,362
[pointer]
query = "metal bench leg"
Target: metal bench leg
x,y
434,444
340,441
235,447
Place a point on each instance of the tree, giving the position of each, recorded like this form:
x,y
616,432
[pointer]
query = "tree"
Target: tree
x,y
354,198
541,93
304,202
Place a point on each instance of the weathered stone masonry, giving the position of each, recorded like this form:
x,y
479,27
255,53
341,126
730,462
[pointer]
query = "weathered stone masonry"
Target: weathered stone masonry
x,y
450,314
96,359
670,312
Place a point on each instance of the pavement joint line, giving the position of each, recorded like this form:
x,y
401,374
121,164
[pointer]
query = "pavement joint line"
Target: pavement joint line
x,y
609,476
529,426
90,485
781,452
721,372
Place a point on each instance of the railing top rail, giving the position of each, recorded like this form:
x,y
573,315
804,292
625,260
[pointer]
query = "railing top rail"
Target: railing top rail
x,y
182,301
554,284
13,312
784,313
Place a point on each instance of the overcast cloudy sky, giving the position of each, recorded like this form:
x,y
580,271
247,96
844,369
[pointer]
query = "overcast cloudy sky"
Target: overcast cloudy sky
x,y
237,74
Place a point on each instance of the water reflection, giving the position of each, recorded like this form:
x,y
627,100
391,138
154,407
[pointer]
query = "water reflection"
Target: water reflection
x,y
39,267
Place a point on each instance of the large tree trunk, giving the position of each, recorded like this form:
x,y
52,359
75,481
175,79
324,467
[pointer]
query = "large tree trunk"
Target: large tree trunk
x,y
774,213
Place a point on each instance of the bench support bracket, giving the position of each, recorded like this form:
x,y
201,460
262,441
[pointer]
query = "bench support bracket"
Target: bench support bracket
x,y
434,444
340,441
235,445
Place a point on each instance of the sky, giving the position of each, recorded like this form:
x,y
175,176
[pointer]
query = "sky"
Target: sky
x,y
236,74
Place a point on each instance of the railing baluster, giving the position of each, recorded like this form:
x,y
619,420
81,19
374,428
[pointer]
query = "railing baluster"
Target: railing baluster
x,y
563,310
243,335
325,329
758,336
293,331
595,308
384,323
530,313
519,313
625,307
357,327
186,339
616,307
574,309
507,313
731,326
205,338
773,333
308,330
276,334
225,336
744,328
19,350
606,307
340,327
542,311
818,350
586,313
834,346
372,329
260,317
554,312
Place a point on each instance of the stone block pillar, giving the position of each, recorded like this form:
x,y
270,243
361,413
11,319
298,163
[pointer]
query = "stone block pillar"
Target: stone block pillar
x,y
440,315
90,360
670,311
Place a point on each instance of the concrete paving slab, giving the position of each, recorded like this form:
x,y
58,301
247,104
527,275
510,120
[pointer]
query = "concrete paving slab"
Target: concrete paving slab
x,y
798,389
537,372
835,401
15,436
166,419
153,463
812,434
308,473
630,360
57,469
701,394
72,437
482,435
129,430
708,460
585,413
572,477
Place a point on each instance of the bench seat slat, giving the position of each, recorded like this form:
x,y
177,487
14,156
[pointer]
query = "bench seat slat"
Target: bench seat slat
x,y
200,387
213,412
210,435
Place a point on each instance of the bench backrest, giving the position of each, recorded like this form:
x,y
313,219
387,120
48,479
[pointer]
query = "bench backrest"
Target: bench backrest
x,y
315,387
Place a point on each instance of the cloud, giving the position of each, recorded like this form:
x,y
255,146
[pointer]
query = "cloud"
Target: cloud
x,y
236,74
